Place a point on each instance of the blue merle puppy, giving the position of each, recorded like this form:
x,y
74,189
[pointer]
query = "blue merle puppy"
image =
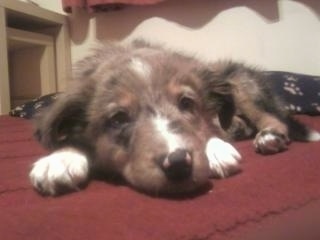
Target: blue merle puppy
x,y
159,119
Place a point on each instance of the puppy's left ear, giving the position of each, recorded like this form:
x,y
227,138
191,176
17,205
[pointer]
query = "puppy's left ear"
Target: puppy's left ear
x,y
217,93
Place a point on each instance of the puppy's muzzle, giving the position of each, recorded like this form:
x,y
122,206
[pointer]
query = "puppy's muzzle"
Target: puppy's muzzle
x,y
177,166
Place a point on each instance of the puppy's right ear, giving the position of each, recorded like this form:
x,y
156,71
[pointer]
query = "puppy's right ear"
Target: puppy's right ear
x,y
64,122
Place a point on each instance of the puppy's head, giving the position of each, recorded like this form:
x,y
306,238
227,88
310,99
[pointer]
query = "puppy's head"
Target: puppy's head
x,y
143,113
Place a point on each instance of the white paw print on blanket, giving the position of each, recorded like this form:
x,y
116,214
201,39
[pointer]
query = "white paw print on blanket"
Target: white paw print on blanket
x,y
291,78
293,108
292,88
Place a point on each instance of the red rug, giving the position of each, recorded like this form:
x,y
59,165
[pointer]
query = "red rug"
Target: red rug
x,y
268,197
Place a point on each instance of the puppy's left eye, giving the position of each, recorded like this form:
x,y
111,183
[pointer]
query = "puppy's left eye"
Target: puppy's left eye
x,y
186,104
118,119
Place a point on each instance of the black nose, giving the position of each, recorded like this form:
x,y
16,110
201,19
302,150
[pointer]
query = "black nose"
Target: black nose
x,y
178,165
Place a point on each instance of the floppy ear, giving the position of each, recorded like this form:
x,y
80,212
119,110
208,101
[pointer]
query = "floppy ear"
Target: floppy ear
x,y
218,96
65,121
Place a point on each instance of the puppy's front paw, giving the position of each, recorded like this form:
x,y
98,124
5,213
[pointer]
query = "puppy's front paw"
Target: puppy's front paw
x,y
224,159
269,141
64,169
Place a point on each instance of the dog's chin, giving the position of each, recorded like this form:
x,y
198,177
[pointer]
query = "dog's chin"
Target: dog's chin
x,y
157,184
184,189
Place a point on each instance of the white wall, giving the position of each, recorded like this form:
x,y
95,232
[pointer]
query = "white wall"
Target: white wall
x,y
273,34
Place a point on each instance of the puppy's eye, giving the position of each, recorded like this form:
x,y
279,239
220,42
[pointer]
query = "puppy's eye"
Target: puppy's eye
x,y
186,104
118,119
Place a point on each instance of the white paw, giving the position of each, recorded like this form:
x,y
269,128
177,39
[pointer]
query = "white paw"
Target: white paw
x,y
223,158
65,168
313,136
268,141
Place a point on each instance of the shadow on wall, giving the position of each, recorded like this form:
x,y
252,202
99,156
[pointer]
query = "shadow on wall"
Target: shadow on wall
x,y
116,25
314,6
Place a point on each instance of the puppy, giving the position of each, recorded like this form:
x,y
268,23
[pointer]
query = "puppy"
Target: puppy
x,y
158,119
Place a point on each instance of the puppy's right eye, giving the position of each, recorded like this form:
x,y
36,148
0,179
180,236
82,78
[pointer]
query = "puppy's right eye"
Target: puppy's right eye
x,y
186,104
118,120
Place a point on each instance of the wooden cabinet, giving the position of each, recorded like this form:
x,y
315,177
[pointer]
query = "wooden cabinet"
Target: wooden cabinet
x,y
35,53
